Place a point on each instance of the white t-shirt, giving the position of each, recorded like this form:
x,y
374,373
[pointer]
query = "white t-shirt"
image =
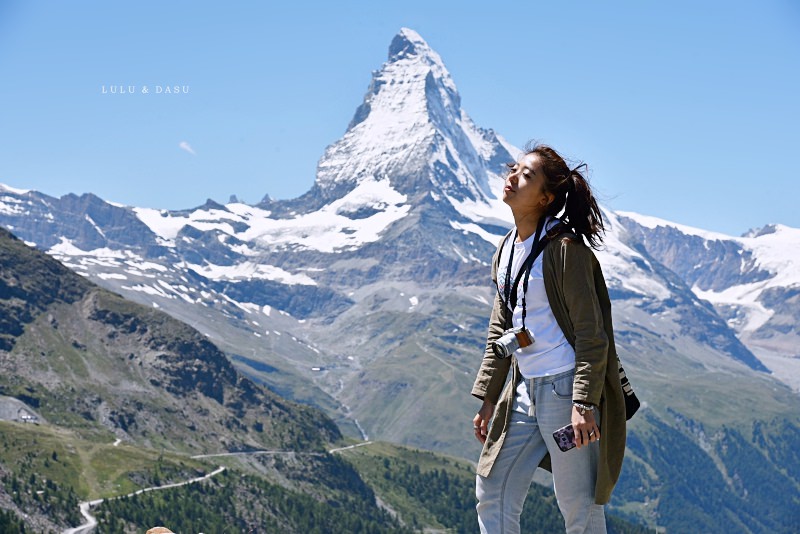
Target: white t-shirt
x,y
550,352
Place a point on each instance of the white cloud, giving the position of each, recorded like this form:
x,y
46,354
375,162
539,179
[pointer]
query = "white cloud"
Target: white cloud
x,y
185,146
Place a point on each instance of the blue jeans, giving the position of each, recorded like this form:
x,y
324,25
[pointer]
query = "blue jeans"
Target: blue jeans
x,y
542,406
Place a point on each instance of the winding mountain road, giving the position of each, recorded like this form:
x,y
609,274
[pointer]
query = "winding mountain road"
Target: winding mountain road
x,y
91,521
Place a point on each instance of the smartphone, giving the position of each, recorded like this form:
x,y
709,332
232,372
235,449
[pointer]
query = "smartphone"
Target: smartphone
x,y
565,437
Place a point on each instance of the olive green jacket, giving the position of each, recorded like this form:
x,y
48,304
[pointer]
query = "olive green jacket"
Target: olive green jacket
x,y
579,299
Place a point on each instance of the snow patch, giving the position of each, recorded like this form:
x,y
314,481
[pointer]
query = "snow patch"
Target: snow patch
x,y
327,230
111,276
477,230
250,271
150,290
13,206
8,188
94,225
481,299
66,248
744,297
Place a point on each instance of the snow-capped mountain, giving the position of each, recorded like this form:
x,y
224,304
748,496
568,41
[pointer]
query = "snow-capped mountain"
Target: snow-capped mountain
x,y
409,193
753,281
369,295
411,125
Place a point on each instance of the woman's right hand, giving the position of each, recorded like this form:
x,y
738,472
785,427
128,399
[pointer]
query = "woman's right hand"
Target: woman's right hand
x,y
480,423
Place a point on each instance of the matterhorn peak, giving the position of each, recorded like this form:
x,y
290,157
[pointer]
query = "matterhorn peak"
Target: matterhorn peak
x,y
410,130
413,80
409,43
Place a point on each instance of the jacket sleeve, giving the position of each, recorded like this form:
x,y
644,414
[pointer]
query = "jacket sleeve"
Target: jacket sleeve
x,y
493,372
591,342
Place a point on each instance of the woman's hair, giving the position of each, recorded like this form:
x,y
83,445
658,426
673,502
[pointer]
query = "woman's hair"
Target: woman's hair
x,y
572,194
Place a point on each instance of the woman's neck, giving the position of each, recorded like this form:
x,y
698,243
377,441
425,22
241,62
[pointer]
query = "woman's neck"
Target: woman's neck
x,y
526,224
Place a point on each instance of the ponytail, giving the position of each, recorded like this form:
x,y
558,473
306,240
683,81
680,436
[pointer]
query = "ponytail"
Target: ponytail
x,y
574,203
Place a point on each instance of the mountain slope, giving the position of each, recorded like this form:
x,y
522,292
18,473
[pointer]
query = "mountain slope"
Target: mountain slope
x,y
87,359
753,281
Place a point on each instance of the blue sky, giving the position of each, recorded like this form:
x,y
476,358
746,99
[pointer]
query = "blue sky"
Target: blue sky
x,y
684,110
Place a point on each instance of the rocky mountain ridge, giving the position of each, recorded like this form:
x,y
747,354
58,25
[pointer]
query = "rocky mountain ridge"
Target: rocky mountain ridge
x,y
753,281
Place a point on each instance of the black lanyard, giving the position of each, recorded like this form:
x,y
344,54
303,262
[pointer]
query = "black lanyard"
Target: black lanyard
x,y
524,271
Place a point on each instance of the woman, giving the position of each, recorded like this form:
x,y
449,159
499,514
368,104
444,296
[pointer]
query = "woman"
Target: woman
x,y
568,375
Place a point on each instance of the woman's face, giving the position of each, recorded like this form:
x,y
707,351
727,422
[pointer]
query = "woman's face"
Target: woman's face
x,y
524,188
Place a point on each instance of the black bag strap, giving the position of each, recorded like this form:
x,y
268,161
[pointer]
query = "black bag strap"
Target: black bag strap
x,y
539,242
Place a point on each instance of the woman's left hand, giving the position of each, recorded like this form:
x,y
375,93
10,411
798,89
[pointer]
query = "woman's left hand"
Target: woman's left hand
x,y
585,427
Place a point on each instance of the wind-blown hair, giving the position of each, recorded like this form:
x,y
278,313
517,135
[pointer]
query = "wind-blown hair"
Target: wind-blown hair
x,y
572,193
